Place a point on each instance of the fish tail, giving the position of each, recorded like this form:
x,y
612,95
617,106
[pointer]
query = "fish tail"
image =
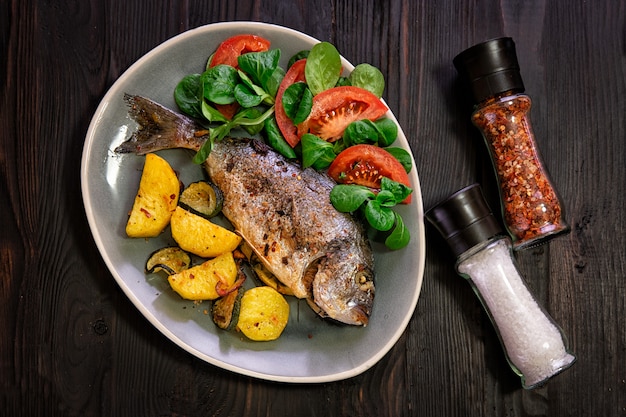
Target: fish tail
x,y
159,128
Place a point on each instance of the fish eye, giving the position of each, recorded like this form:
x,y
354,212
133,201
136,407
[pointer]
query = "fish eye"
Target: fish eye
x,y
364,281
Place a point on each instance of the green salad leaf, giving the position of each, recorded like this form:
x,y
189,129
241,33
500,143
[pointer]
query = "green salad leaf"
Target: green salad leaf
x,y
316,153
323,67
377,208
188,95
219,83
297,102
368,77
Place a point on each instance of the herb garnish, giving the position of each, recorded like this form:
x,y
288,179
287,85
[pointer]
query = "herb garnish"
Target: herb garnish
x,y
376,207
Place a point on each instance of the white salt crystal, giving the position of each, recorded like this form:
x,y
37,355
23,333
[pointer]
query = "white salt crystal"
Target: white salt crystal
x,y
533,343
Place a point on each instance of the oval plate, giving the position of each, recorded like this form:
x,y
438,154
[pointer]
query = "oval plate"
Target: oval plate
x,y
310,349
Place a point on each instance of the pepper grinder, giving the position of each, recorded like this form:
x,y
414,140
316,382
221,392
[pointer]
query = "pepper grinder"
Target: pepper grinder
x,y
534,345
531,208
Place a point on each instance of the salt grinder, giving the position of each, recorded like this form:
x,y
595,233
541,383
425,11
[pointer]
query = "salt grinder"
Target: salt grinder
x,y
534,345
531,207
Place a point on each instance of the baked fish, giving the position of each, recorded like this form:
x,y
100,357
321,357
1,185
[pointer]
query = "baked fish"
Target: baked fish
x,y
281,210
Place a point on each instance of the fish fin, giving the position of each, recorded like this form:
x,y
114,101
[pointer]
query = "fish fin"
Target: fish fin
x,y
159,128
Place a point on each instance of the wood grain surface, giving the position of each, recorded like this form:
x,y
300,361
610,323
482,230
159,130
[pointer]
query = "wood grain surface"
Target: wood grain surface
x,y
72,344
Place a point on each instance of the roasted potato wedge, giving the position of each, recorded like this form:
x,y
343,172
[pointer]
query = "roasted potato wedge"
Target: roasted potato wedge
x,y
156,199
200,282
200,236
263,315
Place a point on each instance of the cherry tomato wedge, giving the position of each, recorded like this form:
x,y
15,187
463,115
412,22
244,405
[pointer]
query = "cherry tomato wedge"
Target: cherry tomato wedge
x,y
294,74
366,165
334,109
229,50
227,110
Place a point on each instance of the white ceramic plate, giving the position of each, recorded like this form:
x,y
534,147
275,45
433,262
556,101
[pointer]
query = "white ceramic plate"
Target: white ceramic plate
x,y
310,349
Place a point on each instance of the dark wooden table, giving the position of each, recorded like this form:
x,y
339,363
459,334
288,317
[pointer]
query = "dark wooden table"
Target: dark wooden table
x,y
72,344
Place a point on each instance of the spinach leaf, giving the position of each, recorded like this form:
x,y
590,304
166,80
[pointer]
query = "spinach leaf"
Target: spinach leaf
x,y
208,61
297,102
218,84
381,132
399,237
323,67
245,119
276,140
403,156
205,150
386,198
211,113
297,57
251,117
368,77
246,97
377,208
387,131
253,114
188,95
272,84
343,81
260,66
348,198
316,153
254,89
360,131
399,191
379,217
339,145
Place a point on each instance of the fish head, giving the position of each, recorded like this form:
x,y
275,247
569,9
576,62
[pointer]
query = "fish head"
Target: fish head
x,y
343,287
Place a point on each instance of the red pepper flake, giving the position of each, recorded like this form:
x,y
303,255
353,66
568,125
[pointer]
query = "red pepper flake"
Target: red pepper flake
x,y
531,207
146,212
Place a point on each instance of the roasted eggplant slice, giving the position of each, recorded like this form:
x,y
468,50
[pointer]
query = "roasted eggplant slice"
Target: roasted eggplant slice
x,y
226,309
202,198
170,259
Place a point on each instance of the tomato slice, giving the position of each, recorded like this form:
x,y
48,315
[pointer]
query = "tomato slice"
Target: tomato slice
x,y
227,110
334,109
294,74
366,165
229,50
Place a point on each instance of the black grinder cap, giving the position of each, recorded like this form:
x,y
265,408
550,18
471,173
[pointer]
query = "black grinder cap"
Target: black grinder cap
x,y
464,219
490,68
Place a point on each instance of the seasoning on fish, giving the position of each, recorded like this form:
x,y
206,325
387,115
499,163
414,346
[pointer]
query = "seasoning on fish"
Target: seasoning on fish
x,y
282,211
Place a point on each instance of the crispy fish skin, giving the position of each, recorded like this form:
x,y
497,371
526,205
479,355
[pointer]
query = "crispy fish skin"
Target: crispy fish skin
x,y
282,211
